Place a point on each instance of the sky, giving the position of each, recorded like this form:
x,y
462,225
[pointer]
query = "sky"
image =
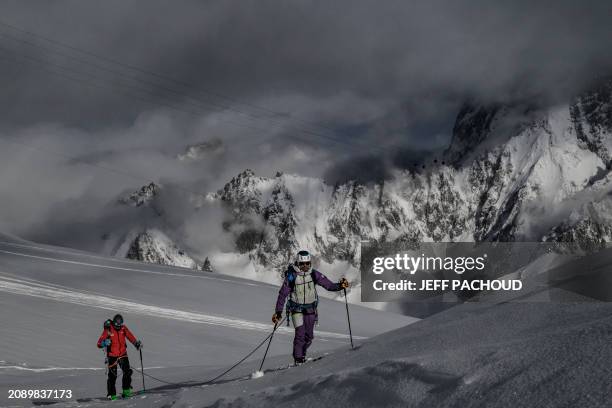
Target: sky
x,y
101,97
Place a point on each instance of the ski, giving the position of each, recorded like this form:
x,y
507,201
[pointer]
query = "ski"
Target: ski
x,y
95,399
308,361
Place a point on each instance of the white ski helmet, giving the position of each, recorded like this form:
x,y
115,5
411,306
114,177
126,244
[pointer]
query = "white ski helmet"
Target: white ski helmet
x,y
303,256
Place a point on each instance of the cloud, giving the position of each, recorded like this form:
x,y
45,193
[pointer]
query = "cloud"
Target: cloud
x,y
61,184
300,87
421,52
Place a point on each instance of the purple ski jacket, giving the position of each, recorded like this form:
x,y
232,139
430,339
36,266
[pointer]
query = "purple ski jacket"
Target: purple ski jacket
x,y
319,279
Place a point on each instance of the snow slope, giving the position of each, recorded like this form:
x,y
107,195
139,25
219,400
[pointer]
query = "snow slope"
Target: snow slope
x,y
477,355
53,302
502,353
526,353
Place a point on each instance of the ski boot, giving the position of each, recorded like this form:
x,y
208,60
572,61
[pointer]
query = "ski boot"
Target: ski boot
x,y
126,393
299,361
112,397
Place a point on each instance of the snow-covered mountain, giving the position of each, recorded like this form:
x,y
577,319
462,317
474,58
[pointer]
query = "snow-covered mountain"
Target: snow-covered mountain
x,y
511,172
143,196
148,243
154,246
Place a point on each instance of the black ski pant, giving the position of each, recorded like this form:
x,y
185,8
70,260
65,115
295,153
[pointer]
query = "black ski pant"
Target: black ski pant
x,y
126,381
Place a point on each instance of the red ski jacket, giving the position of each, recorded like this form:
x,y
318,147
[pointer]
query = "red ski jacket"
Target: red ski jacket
x,y
117,337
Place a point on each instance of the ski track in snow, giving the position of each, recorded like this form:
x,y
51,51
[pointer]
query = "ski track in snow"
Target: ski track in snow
x,y
46,369
43,291
77,253
184,275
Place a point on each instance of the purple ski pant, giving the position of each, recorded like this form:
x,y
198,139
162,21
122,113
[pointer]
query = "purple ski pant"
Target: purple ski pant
x,y
304,335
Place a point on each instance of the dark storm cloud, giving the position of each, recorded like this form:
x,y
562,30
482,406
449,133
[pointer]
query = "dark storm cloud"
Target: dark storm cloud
x,y
422,52
330,82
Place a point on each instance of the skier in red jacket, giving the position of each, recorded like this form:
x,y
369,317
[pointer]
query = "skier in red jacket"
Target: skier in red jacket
x,y
113,338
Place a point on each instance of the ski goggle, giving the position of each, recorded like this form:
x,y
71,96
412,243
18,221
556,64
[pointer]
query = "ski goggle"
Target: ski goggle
x,y
303,263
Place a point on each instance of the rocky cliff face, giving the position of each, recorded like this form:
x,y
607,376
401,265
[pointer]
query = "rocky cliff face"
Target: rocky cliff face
x,y
591,116
154,246
144,196
512,173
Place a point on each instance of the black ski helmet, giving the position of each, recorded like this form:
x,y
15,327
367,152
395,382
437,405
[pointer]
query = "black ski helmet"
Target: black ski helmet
x,y
118,321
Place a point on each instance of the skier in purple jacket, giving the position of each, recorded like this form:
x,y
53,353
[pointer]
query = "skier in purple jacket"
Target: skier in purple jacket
x,y
300,285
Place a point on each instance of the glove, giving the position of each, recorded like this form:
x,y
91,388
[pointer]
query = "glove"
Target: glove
x,y
343,283
138,344
276,317
105,343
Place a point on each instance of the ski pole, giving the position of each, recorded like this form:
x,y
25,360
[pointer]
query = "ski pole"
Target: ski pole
x,y
142,370
268,348
105,363
348,317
